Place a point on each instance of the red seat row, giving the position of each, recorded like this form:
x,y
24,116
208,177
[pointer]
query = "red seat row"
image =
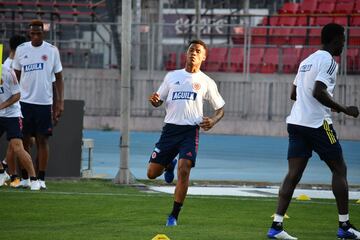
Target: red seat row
x,y
322,6
262,60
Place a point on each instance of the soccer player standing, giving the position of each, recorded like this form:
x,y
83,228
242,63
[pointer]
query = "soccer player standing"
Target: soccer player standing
x,y
183,92
14,42
11,123
310,129
37,65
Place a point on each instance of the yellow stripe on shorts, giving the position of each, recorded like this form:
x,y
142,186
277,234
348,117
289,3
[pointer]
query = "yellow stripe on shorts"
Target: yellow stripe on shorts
x,y
329,132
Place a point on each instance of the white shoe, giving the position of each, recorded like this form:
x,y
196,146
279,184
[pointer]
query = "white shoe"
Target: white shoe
x,y
42,184
279,234
35,185
24,183
284,235
3,178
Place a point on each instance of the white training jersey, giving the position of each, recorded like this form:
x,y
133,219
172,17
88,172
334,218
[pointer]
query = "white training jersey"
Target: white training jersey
x,y
183,94
38,66
8,87
307,111
8,63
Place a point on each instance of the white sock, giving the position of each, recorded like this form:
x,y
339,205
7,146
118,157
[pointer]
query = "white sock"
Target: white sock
x,y
278,218
343,218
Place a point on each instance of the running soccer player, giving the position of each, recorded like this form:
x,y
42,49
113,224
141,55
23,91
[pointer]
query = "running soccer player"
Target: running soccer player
x,y
310,129
42,95
183,92
11,123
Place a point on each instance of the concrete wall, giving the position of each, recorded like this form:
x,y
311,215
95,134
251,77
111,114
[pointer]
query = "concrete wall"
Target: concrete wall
x,y
255,107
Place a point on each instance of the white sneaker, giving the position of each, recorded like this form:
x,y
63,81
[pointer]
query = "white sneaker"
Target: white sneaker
x,y
3,178
24,183
279,234
42,184
34,185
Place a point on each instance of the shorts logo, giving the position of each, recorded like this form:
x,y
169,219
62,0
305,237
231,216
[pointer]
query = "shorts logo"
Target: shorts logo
x,y
153,155
34,67
189,154
44,57
184,96
305,68
196,86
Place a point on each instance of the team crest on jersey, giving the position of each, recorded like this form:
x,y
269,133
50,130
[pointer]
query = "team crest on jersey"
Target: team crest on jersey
x,y
196,86
44,57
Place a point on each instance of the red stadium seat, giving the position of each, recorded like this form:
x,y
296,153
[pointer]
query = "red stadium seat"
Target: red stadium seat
x,y
344,7
236,60
357,7
182,59
308,6
271,20
215,59
270,61
170,63
322,21
314,36
353,60
238,35
354,37
258,35
279,36
298,36
303,21
256,55
341,20
289,7
355,21
306,52
287,21
290,59
325,7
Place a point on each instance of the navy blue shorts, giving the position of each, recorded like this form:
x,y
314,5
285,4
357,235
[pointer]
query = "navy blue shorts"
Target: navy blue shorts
x,y
12,126
322,140
174,140
37,119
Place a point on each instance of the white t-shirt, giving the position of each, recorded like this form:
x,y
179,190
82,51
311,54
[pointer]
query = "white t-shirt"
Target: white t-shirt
x,y
183,94
8,63
8,87
38,66
307,111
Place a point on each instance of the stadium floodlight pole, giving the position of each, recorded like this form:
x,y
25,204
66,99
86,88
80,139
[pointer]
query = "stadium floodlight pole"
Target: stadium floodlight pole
x,y
198,18
124,176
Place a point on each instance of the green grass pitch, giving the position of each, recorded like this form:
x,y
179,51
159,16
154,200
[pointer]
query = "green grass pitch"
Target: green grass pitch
x,y
98,209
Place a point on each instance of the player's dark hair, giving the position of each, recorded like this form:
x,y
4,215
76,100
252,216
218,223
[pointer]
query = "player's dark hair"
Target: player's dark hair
x,y
330,32
15,41
198,41
36,23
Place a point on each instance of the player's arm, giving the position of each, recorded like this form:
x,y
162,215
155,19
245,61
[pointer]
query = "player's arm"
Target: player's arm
x,y
321,94
209,122
58,96
155,100
293,93
10,101
18,74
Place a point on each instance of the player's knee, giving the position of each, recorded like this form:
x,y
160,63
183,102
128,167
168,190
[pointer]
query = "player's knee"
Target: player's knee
x,y
294,177
16,146
151,174
183,173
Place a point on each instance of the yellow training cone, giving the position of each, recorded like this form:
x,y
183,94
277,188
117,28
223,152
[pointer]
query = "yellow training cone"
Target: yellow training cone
x,y
160,237
286,216
358,201
303,197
